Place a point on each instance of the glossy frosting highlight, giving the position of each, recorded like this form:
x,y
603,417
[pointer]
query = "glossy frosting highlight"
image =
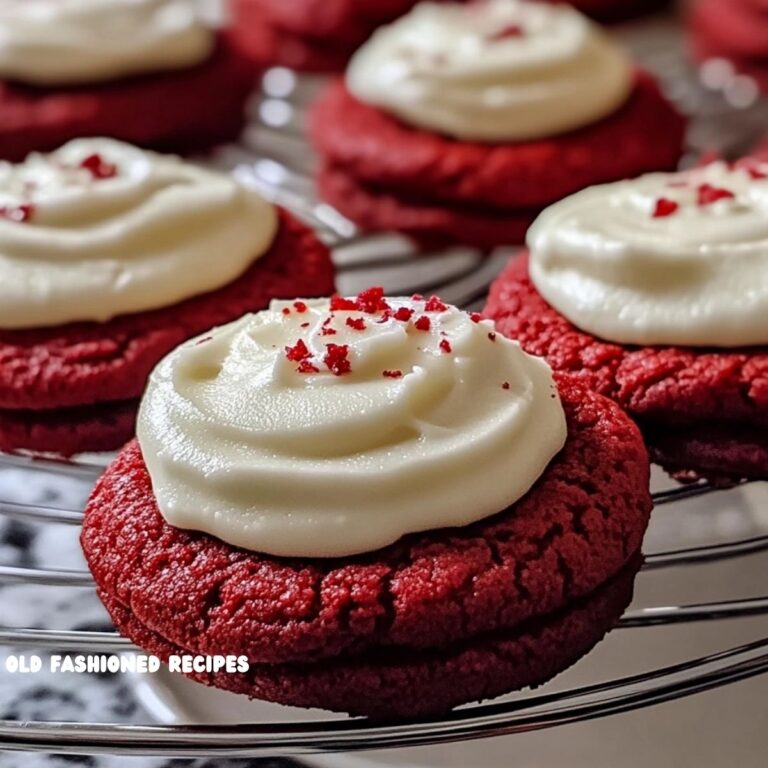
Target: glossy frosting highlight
x,y
667,259
66,42
100,228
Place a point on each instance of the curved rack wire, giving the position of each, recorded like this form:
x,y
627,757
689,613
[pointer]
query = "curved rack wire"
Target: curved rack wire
x,y
274,158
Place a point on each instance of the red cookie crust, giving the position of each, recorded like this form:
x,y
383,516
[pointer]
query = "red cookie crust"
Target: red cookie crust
x,y
676,389
376,149
181,111
87,363
430,225
310,35
68,431
578,527
397,685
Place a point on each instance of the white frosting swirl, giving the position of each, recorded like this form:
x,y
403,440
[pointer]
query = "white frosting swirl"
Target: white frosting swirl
x,y
242,445
62,42
134,232
677,259
501,70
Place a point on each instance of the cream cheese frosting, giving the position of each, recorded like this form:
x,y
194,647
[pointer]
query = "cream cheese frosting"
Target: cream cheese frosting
x,y
499,70
669,259
63,42
322,430
100,228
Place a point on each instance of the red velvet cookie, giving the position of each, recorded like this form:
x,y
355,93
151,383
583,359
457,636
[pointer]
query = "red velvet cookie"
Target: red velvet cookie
x,y
372,164
392,684
421,598
737,30
701,409
67,431
310,35
180,111
44,370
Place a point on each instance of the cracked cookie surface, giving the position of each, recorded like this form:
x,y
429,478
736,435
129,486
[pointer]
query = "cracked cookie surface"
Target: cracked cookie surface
x,y
581,523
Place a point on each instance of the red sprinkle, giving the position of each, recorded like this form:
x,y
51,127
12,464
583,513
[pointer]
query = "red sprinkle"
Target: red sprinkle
x,y
435,305
423,323
300,306
664,207
403,314
709,194
98,167
286,311
298,352
492,336
17,213
306,367
340,304
203,341
505,385
305,325
511,30
392,374
445,345
372,300
336,358
358,323
476,317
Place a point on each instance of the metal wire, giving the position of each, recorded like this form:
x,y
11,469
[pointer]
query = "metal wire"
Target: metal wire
x,y
274,158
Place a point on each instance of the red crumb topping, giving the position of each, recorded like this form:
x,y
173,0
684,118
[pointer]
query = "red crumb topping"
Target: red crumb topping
x,y
664,207
18,213
392,374
492,336
417,297
326,331
286,311
404,314
337,360
300,306
476,317
511,30
372,300
98,167
708,194
435,305
297,352
358,323
505,385
340,304
445,345
423,323
305,366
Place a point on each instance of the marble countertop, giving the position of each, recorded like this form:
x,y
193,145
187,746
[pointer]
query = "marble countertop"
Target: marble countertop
x,y
48,696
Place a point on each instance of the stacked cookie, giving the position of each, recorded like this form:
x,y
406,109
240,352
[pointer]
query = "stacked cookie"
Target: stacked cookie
x,y
388,509
459,123
654,292
157,73
110,256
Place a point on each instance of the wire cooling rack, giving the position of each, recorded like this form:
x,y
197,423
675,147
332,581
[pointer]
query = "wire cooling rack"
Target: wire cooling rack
x,y
274,157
